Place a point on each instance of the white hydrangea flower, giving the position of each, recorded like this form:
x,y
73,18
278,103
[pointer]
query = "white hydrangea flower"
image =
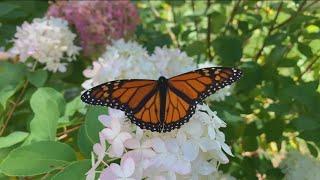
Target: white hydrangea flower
x,y
122,60
48,40
180,154
172,62
300,166
221,94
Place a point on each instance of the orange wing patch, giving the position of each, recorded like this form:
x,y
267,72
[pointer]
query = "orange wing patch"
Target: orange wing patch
x,y
122,94
197,85
185,88
150,112
176,108
132,93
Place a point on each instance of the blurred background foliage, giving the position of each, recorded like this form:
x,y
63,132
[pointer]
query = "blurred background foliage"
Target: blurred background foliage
x,y
276,44
275,106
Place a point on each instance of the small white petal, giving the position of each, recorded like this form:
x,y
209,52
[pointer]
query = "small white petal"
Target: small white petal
x,y
190,151
132,143
226,148
128,167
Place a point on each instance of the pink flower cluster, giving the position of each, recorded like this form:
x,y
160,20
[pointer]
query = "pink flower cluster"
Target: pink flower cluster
x,y
98,22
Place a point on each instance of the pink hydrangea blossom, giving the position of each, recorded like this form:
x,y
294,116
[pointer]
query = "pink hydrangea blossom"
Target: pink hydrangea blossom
x,y
97,22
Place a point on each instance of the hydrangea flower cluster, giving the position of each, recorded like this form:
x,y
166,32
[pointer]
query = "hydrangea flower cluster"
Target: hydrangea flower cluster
x,y
300,166
97,22
193,151
48,40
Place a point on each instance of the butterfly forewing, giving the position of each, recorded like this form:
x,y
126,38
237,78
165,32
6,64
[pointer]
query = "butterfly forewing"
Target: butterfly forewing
x,y
122,94
138,98
185,91
198,84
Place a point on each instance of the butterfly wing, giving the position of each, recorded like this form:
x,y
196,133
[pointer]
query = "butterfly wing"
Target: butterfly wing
x,y
178,110
148,116
185,91
138,98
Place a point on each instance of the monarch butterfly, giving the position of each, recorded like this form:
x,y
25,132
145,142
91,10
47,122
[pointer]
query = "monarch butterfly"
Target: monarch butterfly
x,y
164,104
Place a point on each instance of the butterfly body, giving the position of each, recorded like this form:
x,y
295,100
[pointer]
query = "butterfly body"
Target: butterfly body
x,y
164,104
163,85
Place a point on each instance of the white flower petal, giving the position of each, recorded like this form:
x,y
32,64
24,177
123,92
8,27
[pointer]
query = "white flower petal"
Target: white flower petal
x,y
117,148
207,144
127,167
226,148
116,170
108,134
172,145
206,168
190,151
105,120
132,143
182,167
124,136
158,145
115,125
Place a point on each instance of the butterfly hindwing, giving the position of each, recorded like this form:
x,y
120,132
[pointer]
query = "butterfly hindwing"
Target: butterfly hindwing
x,y
178,111
148,116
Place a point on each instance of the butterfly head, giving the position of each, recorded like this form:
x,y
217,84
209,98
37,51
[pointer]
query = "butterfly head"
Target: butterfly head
x,y
162,79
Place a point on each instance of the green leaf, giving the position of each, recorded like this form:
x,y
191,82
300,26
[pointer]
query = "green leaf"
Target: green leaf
x,y
5,94
75,170
311,135
88,134
305,50
92,125
76,105
276,55
312,29
306,123
37,158
313,149
84,143
11,74
47,105
250,143
4,152
229,49
13,139
275,39
219,20
38,78
273,130
195,48
5,8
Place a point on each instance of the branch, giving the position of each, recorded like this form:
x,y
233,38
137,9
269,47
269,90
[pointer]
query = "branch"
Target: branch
x,y
15,104
300,9
272,27
233,13
65,133
309,67
209,55
169,31
195,20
